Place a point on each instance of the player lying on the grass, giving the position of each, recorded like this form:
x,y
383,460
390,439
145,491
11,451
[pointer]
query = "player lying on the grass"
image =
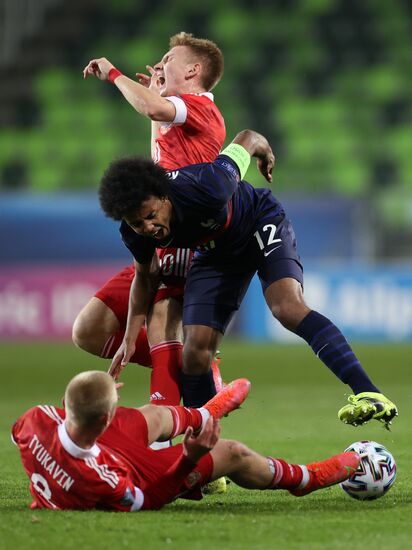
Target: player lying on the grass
x,y
239,230
187,128
95,455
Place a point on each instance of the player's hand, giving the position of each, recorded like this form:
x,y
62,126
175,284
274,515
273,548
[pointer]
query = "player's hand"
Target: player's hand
x,y
119,386
99,68
121,359
258,146
194,447
266,164
152,81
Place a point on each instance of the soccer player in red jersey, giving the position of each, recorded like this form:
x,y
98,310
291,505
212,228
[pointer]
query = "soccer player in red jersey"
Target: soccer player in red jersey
x,y
95,455
187,128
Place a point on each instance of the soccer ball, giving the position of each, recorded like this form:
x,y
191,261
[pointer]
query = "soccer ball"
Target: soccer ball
x,y
376,472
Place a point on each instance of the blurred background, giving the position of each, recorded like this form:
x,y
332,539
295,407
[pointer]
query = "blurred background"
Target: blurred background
x,y
329,82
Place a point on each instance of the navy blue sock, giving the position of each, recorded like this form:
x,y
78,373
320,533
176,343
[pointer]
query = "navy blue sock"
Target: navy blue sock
x,y
197,389
332,348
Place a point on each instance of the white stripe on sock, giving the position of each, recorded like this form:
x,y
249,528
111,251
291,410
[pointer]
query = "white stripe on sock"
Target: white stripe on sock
x,y
205,415
305,476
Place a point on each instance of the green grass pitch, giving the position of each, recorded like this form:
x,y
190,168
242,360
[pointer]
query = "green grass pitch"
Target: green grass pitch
x,y
291,412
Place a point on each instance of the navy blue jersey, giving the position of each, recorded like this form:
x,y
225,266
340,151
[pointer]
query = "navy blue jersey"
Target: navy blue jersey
x,y
212,210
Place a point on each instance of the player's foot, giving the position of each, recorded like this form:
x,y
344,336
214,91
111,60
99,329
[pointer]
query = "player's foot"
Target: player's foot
x,y
366,406
217,377
216,487
331,471
229,399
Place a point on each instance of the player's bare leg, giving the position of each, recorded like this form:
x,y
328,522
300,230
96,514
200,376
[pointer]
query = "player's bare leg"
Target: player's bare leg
x,y
93,326
201,344
242,465
164,322
286,302
159,422
97,330
254,471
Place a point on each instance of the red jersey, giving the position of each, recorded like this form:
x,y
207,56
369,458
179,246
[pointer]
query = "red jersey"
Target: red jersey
x,y
196,134
118,473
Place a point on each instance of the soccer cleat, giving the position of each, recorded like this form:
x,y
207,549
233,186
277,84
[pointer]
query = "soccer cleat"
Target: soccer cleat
x,y
216,487
229,399
328,472
367,406
217,377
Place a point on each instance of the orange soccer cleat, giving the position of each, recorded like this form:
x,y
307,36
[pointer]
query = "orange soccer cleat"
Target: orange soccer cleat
x,y
228,399
217,377
328,472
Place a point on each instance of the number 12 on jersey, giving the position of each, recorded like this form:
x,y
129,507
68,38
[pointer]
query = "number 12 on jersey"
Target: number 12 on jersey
x,y
269,231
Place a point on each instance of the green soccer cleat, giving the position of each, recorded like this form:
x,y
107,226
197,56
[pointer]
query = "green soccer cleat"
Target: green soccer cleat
x,y
216,487
367,406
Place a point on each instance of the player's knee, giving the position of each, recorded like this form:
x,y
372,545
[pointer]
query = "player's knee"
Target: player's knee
x,y
84,337
159,420
155,418
80,333
289,312
238,452
196,358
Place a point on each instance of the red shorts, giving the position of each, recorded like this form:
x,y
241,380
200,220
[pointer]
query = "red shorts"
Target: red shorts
x,y
174,263
127,435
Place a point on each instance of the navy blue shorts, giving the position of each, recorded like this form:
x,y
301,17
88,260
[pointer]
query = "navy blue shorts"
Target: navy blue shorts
x,y
217,283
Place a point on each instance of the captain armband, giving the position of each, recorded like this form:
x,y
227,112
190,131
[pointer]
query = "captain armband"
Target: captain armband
x,y
239,155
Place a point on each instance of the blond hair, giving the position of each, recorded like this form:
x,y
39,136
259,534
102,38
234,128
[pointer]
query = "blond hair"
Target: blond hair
x,y
208,54
89,396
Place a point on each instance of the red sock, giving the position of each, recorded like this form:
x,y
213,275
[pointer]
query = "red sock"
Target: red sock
x,y
285,475
140,356
165,379
183,418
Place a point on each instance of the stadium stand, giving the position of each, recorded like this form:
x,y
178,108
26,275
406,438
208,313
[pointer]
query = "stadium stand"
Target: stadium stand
x,y
328,81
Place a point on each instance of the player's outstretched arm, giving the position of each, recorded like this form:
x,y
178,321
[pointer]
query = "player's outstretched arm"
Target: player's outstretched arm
x,y
152,81
142,290
141,97
257,146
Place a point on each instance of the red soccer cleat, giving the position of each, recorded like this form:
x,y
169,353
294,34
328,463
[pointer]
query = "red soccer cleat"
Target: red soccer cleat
x,y
328,472
229,399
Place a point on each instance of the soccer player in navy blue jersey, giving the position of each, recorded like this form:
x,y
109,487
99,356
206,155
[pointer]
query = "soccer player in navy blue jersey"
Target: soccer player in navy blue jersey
x,y
238,230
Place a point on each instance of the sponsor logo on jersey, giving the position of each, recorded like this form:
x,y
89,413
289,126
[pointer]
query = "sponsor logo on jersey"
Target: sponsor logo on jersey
x,y
157,396
230,168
